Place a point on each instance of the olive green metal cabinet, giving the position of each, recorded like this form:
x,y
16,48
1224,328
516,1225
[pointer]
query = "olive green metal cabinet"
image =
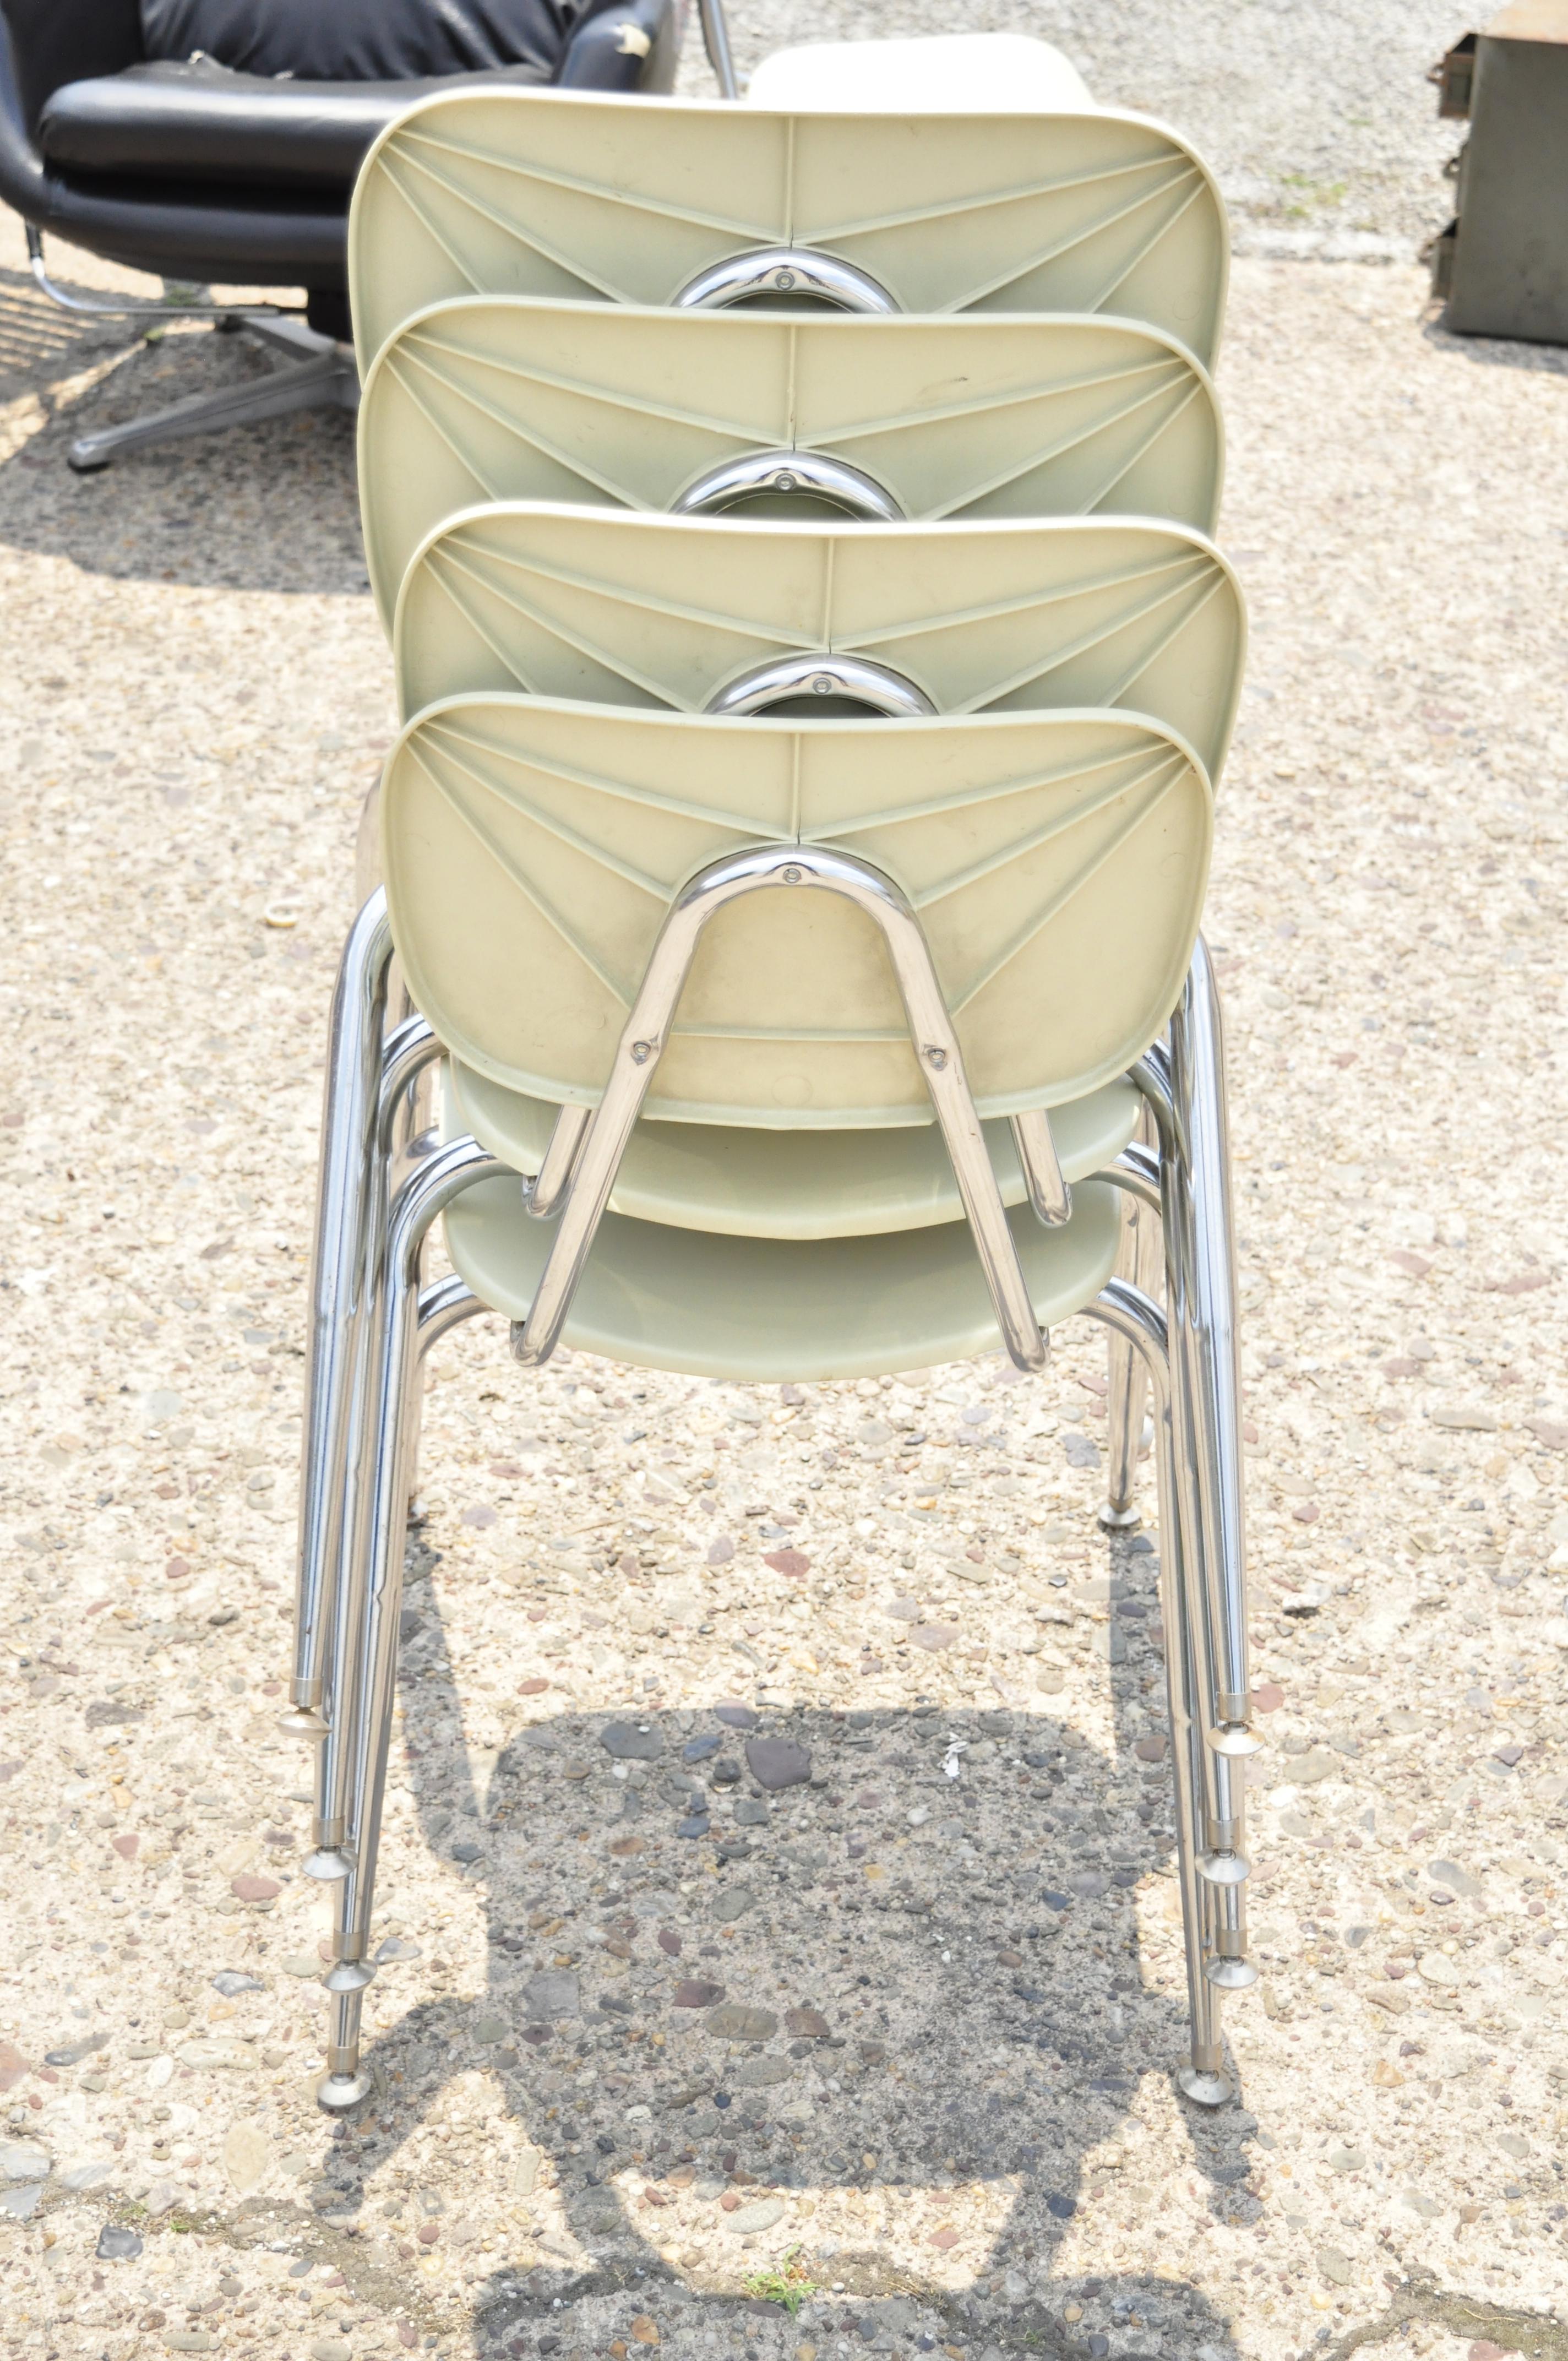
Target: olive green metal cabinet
x,y
1503,263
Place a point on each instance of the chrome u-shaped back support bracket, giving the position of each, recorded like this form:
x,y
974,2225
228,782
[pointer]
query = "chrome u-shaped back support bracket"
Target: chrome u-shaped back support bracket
x,y
794,270
646,1036
809,475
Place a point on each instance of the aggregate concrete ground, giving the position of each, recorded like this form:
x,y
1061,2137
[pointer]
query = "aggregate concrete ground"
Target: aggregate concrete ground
x,y
1319,121
893,2040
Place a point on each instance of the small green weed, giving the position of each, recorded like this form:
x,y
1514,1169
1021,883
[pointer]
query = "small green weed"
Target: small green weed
x,y
789,2284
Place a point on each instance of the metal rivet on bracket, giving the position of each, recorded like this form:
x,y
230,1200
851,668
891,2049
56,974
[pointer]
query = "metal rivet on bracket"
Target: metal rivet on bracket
x,y
938,1058
641,1052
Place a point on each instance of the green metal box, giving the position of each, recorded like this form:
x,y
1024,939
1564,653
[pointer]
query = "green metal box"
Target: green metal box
x,y
1503,264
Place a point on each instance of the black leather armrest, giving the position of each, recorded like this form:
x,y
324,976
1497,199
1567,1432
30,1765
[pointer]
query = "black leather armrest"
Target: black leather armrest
x,y
629,47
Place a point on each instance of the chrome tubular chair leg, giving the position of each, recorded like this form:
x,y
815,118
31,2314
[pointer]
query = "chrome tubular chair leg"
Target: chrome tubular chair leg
x,y
646,1036
1140,1262
715,41
1208,1318
1184,1089
411,1050
420,1200
1141,1326
348,1143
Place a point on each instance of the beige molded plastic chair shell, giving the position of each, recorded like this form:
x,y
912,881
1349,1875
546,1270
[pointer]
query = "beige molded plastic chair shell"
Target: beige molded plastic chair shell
x,y
482,401
792,1184
764,1310
1057,862
627,200
937,74
635,611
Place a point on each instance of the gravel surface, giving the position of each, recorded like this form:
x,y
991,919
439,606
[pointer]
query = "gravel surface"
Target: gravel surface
x,y
897,2033
1319,121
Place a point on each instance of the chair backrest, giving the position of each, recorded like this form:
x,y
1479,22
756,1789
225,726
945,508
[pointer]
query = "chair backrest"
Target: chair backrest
x,y
974,417
629,200
638,611
532,849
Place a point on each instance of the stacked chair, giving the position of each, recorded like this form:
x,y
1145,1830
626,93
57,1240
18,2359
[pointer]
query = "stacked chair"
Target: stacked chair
x,y
791,523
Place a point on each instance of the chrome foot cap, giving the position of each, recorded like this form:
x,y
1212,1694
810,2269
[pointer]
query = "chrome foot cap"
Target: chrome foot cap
x,y
1231,1975
302,1721
349,1976
1222,1868
328,1863
1119,1520
1204,2090
338,2093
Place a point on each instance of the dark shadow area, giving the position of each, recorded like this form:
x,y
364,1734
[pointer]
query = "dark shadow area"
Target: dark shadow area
x,y
841,2006
1496,352
272,506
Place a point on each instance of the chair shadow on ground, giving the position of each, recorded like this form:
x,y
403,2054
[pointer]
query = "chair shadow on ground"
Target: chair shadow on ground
x,y
272,506
942,2062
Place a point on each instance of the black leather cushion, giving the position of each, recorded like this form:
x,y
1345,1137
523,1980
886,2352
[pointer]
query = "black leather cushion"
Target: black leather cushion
x,y
361,40
202,122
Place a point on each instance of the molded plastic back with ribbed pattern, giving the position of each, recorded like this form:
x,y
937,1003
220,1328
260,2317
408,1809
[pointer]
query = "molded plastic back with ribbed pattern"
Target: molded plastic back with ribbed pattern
x,y
626,200
489,401
618,610
532,848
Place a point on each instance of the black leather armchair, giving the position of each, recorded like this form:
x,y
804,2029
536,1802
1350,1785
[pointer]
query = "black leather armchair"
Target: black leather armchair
x,y
199,174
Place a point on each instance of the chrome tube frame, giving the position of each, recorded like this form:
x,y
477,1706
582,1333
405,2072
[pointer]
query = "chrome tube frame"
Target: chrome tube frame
x,y
1138,1323
809,474
1184,1088
143,307
411,1049
420,1200
1048,1193
715,41
860,678
1136,1172
646,1036
360,1447
338,1283
797,270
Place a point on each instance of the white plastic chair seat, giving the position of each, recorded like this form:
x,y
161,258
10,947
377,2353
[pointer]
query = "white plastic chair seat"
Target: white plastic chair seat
x,y
1053,205
1057,862
623,610
792,1184
971,418
763,1311
943,74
